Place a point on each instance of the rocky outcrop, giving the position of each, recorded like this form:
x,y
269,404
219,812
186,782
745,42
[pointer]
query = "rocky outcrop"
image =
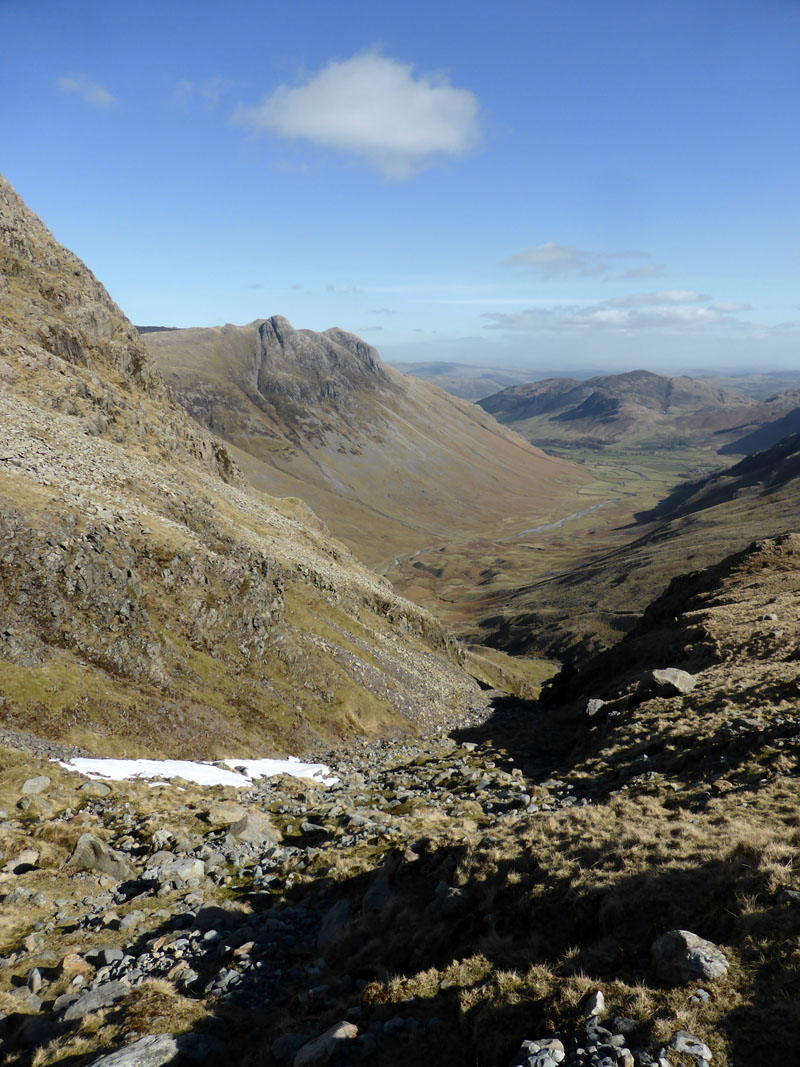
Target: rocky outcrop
x,y
158,595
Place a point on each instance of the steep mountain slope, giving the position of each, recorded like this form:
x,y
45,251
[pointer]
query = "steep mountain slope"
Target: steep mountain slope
x,y
390,462
593,604
769,433
638,408
150,600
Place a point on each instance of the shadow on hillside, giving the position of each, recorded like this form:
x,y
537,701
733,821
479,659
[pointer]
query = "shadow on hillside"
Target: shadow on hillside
x,y
471,912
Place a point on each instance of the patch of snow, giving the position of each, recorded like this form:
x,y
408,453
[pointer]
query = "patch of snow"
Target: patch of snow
x,y
269,768
241,774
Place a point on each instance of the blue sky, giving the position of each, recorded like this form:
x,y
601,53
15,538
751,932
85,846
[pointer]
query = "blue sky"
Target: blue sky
x,y
572,184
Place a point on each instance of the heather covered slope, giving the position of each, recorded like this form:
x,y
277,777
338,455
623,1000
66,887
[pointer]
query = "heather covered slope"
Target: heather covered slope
x,y
391,463
150,600
636,409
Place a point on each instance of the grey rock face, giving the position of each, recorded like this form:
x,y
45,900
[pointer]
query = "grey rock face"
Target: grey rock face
x,y
380,891
334,924
92,1000
92,854
680,956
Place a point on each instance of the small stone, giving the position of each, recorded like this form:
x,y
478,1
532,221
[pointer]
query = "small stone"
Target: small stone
x,y
593,1005
687,1043
73,964
95,789
23,862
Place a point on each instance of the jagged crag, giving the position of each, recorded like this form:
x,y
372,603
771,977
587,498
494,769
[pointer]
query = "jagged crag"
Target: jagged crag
x,y
458,896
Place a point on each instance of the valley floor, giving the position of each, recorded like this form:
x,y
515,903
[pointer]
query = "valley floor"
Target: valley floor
x,y
466,581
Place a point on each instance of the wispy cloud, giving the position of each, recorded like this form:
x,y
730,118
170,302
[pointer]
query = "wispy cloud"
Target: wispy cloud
x,y
209,90
679,310
667,296
87,90
375,108
649,270
344,290
550,260
729,306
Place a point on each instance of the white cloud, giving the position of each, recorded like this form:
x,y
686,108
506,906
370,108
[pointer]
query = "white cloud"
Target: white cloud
x,y
668,296
551,259
375,108
649,270
89,91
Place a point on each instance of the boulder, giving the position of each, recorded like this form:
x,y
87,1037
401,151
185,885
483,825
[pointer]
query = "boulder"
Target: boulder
x,y
322,1048
689,1045
593,1005
36,785
35,804
255,828
679,956
92,854
71,1008
156,1050
669,682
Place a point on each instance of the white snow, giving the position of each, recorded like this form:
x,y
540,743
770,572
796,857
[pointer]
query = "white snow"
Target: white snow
x,y
241,774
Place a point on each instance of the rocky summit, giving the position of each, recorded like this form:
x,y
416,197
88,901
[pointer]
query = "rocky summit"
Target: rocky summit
x,y
391,463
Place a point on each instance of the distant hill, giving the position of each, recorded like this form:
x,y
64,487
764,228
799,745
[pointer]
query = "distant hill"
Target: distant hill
x,y
392,464
635,409
464,380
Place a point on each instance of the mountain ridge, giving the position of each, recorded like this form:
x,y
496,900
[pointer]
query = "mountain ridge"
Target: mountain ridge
x,y
392,463
635,409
